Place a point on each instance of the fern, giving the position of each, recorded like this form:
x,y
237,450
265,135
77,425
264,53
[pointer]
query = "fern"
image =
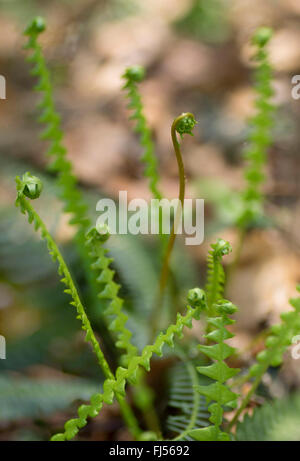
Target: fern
x,y
219,371
215,273
28,398
274,421
260,137
116,385
134,75
109,291
67,182
53,132
183,124
276,345
31,187
191,418
188,405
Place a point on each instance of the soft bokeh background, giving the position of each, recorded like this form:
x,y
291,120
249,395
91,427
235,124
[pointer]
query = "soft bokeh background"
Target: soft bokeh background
x,y
198,59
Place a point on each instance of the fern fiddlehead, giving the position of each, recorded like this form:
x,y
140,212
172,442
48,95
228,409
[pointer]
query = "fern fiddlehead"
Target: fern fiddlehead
x,y
215,273
31,187
116,385
53,133
217,392
134,75
184,124
276,345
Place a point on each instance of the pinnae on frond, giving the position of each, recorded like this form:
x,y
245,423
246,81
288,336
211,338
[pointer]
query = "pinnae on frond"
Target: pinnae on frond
x,y
31,186
53,133
116,385
276,344
260,137
215,273
132,76
109,291
218,392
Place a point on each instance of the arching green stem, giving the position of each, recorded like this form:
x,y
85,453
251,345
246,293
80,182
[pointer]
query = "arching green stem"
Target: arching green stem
x,y
31,187
183,124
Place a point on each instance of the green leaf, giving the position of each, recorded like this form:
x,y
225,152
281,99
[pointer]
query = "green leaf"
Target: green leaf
x,y
276,421
28,398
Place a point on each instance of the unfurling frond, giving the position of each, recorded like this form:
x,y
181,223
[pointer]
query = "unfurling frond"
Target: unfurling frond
x,y
109,291
276,345
53,133
215,273
116,385
218,392
260,137
31,185
133,75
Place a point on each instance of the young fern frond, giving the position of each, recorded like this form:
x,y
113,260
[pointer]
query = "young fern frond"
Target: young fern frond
x,y
277,421
215,273
117,384
275,346
260,136
70,195
183,124
116,319
109,291
66,180
217,392
31,187
134,75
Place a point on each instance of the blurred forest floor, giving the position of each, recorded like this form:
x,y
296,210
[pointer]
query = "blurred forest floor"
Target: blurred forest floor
x,y
198,59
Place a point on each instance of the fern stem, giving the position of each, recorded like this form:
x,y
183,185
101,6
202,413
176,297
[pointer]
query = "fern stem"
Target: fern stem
x,y
183,124
69,193
215,274
133,76
114,317
181,172
109,291
128,416
260,137
26,206
67,181
112,387
143,397
218,392
63,271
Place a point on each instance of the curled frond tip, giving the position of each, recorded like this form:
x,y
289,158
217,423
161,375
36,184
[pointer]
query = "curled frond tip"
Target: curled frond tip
x,y
262,36
185,123
37,26
134,73
29,185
